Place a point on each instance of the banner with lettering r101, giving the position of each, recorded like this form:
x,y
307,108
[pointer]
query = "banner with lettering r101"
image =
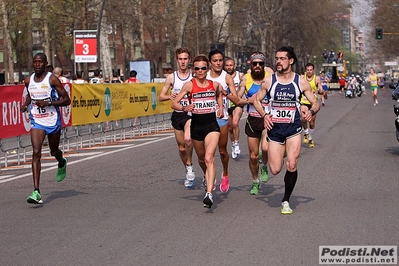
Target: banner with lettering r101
x,y
13,122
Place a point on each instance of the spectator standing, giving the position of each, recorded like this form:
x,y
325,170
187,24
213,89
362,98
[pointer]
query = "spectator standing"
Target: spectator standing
x,y
332,56
107,79
58,73
133,77
340,57
97,77
325,55
79,78
115,78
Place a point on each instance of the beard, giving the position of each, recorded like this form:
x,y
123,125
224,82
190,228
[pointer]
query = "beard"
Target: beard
x,y
281,69
258,75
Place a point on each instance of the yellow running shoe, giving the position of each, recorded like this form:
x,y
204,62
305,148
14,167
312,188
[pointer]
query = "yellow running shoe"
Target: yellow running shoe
x,y
285,208
311,143
306,138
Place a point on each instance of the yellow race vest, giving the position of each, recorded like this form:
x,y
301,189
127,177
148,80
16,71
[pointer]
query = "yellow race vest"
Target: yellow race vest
x,y
313,86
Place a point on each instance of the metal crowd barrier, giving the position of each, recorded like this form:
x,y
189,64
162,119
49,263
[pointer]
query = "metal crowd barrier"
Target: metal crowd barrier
x,y
79,137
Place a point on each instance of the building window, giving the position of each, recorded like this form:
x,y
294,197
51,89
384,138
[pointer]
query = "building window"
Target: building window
x,y
36,37
112,52
1,57
168,60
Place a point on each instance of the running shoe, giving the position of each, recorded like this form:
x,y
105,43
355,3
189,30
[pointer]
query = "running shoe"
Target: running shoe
x,y
376,101
224,186
204,184
188,183
255,188
61,172
264,174
237,148
233,151
306,138
285,208
208,201
311,143
35,198
190,175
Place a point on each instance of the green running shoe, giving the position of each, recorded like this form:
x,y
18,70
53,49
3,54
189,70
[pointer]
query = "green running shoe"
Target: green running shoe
x,y
255,188
61,172
285,208
264,174
260,157
35,198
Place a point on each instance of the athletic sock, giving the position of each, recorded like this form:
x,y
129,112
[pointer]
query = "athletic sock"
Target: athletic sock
x,y
311,131
289,181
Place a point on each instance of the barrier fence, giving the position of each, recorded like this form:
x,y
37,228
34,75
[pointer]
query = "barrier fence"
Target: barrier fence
x,y
98,114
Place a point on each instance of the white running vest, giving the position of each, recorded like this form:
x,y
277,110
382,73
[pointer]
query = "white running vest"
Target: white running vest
x,y
178,85
222,81
48,115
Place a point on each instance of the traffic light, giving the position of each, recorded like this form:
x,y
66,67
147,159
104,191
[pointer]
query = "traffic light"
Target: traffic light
x,y
379,33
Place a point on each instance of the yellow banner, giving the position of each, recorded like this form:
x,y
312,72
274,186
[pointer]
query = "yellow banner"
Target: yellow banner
x,y
95,103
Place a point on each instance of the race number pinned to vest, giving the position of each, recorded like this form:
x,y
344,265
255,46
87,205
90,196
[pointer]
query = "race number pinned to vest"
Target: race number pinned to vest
x,y
283,111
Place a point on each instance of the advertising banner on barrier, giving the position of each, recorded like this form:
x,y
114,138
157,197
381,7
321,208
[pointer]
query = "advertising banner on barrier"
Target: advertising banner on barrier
x,y
12,121
94,103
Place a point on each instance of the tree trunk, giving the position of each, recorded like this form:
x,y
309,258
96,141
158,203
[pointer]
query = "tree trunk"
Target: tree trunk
x,y
9,63
104,47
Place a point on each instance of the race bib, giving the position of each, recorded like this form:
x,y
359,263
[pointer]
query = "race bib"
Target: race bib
x,y
283,111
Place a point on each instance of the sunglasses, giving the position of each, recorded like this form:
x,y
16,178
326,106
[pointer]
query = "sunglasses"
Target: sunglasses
x,y
258,63
202,68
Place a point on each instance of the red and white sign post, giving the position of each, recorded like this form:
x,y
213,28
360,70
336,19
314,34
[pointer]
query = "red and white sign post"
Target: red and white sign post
x,y
85,45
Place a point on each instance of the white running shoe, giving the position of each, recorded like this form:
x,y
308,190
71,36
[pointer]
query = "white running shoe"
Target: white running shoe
x,y
233,151
190,175
208,200
237,148
285,208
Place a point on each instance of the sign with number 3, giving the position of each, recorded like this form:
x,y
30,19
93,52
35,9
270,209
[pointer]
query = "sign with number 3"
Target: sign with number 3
x,y
85,44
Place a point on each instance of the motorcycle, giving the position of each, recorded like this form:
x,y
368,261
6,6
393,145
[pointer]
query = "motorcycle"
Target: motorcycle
x,y
395,96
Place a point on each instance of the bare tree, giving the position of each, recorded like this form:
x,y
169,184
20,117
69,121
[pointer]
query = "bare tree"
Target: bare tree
x,y
9,63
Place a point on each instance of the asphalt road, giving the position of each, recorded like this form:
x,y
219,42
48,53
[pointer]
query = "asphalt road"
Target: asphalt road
x,y
125,204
